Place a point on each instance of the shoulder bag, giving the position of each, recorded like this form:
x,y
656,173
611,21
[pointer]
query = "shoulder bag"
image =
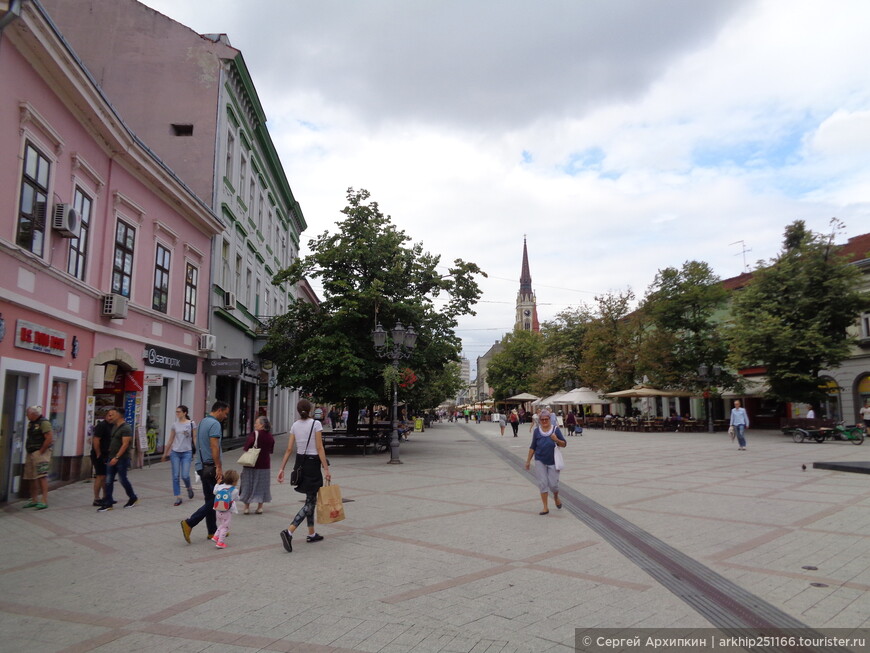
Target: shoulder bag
x,y
296,474
249,458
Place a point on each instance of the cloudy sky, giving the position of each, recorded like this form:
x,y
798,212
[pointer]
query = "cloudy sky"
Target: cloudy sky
x,y
621,137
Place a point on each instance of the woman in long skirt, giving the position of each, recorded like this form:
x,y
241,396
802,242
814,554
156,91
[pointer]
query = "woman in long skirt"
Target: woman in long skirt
x,y
256,480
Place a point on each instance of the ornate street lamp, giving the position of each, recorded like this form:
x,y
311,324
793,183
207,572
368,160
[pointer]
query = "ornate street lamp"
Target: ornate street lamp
x,y
707,375
403,342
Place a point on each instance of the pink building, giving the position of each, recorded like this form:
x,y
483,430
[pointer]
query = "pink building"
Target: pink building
x,y
104,260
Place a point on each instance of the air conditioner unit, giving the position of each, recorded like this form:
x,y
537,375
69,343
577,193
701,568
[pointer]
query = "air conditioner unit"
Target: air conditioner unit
x,y
66,221
229,300
207,342
115,306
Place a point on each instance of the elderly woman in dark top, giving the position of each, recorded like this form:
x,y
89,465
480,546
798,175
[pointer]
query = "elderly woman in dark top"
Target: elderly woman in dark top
x,y
256,480
545,438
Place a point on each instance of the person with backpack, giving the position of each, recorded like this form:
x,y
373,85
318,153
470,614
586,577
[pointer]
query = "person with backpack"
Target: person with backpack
x,y
226,494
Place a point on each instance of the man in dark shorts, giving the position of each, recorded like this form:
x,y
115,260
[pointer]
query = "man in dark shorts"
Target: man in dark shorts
x,y
99,456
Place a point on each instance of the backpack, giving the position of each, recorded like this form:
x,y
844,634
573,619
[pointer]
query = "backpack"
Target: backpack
x,y
223,499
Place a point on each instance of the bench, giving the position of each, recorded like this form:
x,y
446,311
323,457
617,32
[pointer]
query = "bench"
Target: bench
x,y
358,439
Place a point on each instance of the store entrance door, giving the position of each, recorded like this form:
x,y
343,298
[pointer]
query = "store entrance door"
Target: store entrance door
x,y
13,428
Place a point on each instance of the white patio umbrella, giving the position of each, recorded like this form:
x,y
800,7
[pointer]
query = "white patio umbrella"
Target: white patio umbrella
x,y
579,396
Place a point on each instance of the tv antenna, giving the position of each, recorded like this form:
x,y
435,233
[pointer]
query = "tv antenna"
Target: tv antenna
x,y
743,250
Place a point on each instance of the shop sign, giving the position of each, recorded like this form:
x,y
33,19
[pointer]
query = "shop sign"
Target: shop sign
x,y
169,359
134,381
233,367
153,379
224,366
39,338
251,370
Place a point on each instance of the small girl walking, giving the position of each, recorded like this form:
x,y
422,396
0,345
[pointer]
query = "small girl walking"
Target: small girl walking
x,y
226,493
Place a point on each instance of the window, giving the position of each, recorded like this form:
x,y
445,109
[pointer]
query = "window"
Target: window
x,y
252,192
191,279
249,277
122,266
239,277
231,153
160,299
260,206
865,326
257,298
34,198
225,256
243,173
78,247
179,129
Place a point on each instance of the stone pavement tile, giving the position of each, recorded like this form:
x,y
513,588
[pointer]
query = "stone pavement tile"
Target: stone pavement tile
x,y
42,632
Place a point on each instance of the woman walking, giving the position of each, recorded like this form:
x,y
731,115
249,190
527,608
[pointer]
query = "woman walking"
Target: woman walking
x,y
545,439
179,449
256,480
307,442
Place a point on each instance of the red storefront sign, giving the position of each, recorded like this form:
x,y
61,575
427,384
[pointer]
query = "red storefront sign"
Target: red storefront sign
x,y
134,381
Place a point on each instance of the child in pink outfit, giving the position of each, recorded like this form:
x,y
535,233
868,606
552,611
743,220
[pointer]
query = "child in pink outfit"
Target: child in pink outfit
x,y
225,496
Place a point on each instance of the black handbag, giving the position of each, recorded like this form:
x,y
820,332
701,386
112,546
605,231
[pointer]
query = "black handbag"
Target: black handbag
x,y
296,473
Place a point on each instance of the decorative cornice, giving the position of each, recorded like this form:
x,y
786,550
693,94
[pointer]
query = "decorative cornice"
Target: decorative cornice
x,y
29,115
80,165
160,227
121,200
193,252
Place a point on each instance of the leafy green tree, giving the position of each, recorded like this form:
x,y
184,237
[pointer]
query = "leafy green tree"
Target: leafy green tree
x,y
682,313
793,315
515,366
370,272
563,347
436,386
610,348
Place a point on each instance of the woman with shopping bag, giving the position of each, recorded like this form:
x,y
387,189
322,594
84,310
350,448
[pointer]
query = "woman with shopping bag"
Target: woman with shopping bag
x,y
545,438
306,441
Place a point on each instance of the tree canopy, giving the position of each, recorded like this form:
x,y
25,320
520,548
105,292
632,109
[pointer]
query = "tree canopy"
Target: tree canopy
x,y
370,272
682,314
515,367
793,316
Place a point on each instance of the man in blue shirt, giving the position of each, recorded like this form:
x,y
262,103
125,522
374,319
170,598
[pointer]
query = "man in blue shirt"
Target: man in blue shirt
x,y
739,422
208,464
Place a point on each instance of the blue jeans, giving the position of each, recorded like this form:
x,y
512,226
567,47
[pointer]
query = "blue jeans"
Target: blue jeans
x,y
121,470
180,468
739,429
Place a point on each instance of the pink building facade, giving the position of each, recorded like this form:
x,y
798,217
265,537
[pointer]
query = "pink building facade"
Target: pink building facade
x,y
104,261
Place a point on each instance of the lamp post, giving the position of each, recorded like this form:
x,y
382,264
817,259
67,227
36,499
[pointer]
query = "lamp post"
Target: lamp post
x,y
707,374
403,342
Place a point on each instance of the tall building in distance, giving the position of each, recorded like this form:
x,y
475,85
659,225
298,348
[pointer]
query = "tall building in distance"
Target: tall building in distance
x,y
527,307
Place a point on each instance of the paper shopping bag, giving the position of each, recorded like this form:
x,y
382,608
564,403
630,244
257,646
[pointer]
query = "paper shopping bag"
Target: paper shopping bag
x,y
330,509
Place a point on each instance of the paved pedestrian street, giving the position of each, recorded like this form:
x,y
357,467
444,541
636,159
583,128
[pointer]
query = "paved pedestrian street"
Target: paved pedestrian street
x,y
447,552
